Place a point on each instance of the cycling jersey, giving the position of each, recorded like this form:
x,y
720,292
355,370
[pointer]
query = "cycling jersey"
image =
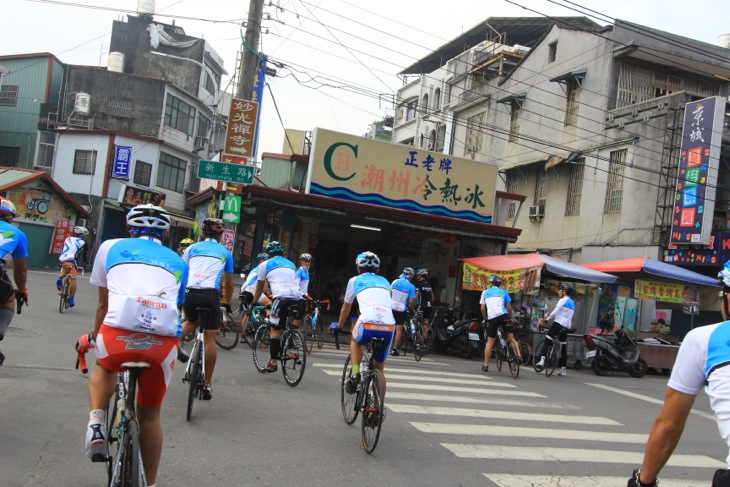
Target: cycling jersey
x,y
12,241
402,292
373,297
281,276
563,312
250,283
71,247
146,283
494,300
208,260
302,275
702,361
425,293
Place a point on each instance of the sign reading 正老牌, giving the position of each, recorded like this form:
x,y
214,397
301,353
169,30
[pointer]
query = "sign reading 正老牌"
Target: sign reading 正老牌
x,y
224,171
122,160
398,176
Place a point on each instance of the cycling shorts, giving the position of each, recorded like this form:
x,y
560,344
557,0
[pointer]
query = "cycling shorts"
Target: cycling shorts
x,y
7,290
401,317
363,332
203,298
558,330
70,267
495,323
280,311
115,346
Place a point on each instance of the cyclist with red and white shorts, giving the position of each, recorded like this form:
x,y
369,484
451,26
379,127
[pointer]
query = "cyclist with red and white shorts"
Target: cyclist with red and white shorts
x,y
141,284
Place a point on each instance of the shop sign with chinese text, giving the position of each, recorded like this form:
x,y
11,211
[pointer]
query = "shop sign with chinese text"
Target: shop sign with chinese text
x,y
60,233
398,176
659,291
241,128
476,278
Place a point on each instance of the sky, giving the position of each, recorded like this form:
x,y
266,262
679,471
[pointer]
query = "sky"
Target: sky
x,y
337,59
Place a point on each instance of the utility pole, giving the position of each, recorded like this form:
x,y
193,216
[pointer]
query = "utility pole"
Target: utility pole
x,y
249,61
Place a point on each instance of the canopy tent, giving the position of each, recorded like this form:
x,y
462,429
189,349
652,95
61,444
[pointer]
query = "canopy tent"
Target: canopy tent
x,y
554,266
644,266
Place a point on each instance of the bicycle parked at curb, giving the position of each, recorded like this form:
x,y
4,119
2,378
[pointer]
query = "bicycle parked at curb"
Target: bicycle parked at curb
x,y
195,369
503,352
413,334
293,356
368,399
313,329
64,293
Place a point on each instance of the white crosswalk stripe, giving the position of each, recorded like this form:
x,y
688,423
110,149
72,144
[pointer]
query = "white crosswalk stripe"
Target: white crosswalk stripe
x,y
519,432
482,401
510,480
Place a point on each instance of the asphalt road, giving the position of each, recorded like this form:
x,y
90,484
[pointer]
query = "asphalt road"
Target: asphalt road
x,y
447,423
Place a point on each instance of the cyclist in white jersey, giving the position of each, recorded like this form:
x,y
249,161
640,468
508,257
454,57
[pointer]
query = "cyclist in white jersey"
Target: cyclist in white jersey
x,y
404,299
702,361
247,289
141,284
211,269
562,317
69,267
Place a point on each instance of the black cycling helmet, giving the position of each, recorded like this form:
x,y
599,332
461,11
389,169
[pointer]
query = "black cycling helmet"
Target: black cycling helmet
x,y
495,280
274,248
565,287
306,257
213,225
422,272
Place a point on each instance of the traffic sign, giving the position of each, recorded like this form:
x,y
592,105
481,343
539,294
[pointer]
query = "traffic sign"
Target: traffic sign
x,y
230,208
224,171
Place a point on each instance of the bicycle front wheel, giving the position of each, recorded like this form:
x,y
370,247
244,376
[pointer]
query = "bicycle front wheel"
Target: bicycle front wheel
x,y
551,361
293,357
498,351
419,346
348,401
525,352
227,335
514,363
374,411
63,302
261,348
193,379
309,333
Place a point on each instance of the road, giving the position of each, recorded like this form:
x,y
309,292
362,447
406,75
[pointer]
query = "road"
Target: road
x,y
447,423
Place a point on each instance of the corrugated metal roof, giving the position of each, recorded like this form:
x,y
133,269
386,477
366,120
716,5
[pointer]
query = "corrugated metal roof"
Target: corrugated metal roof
x,y
10,176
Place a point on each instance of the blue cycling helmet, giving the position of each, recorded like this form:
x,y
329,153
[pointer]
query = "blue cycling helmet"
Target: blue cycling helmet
x,y
262,256
367,260
274,247
724,275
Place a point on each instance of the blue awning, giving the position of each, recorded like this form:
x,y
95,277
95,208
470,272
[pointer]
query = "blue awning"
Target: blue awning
x,y
643,265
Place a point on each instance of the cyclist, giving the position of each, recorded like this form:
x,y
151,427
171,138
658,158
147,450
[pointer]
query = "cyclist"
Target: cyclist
x,y
69,267
701,362
305,262
562,317
425,297
141,284
211,268
376,314
184,244
280,275
404,298
13,242
247,289
496,308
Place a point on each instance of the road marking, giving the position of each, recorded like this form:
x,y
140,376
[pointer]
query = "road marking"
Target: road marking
x,y
388,369
341,354
552,454
412,396
519,432
391,375
493,414
508,480
634,395
464,390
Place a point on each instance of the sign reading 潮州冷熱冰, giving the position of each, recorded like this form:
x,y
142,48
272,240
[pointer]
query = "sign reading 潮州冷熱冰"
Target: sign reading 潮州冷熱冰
x,y
369,171
694,203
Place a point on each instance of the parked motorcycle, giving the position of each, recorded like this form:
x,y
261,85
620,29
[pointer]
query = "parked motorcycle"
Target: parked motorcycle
x,y
463,337
615,354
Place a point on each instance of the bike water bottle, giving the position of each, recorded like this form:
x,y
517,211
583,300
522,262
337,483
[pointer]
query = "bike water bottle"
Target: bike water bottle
x,y
363,365
121,405
413,328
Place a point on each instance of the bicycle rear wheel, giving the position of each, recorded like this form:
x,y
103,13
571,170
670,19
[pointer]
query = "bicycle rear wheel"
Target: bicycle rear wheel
x,y
498,350
348,401
261,347
319,333
551,361
293,357
514,362
419,346
525,352
227,335
63,302
248,333
131,472
374,411
309,333
194,379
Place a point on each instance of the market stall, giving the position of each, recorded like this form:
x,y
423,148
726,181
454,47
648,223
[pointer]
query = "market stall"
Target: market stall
x,y
533,280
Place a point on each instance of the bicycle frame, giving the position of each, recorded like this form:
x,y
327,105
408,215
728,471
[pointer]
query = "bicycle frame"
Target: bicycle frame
x,y
198,341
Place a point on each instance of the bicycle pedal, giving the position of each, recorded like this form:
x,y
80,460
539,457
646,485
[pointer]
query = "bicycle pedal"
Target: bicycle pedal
x,y
100,457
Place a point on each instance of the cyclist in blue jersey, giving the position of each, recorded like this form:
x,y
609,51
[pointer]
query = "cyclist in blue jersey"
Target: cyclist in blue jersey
x,y
69,267
562,317
211,269
305,262
141,284
404,298
496,308
15,243
373,294
280,275
247,289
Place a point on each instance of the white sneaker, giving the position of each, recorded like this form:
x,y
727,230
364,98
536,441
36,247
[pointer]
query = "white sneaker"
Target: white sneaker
x,y
96,447
563,372
541,363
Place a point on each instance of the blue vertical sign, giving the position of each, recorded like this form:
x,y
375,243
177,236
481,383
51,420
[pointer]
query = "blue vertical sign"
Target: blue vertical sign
x,y
122,159
258,95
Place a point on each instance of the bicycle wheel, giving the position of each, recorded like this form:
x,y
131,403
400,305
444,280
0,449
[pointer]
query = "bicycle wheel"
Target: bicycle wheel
x,y
374,411
551,361
261,347
525,352
348,401
227,335
193,379
514,362
319,333
498,351
309,333
63,302
293,357
536,356
130,473
419,345
248,333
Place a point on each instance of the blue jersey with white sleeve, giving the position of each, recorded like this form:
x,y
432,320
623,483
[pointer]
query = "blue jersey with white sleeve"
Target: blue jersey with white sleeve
x,y
208,260
280,273
12,241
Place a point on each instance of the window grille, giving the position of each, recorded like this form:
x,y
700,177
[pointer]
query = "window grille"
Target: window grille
x,y
575,188
541,188
9,156
143,173
615,187
474,134
511,187
9,95
120,107
85,162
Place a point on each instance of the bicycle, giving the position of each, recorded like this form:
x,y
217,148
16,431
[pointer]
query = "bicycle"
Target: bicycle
x,y
413,333
195,368
293,356
369,397
313,330
503,352
227,334
65,294
256,315
553,354
525,348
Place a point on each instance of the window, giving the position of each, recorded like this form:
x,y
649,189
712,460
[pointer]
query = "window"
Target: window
x,y
8,95
437,99
514,122
171,173
511,187
85,162
143,173
211,82
541,188
179,115
575,188
552,51
424,105
573,101
474,134
9,156
204,125
410,110
615,187
447,94
120,107
46,145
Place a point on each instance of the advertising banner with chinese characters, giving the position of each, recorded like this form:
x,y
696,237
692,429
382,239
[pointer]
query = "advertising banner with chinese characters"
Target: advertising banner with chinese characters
x,y
398,176
60,233
659,291
476,278
694,203
241,128
135,196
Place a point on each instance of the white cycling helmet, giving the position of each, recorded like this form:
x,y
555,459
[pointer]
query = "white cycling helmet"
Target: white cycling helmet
x,y
367,260
7,207
81,231
724,275
149,216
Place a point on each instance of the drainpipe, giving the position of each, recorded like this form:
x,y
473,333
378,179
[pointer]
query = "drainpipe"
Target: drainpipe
x,y
108,168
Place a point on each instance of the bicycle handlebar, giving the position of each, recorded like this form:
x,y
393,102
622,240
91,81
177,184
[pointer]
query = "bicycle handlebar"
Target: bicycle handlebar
x,y
81,361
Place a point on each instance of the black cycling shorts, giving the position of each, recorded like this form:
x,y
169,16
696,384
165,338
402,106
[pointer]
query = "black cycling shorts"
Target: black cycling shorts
x,y
6,288
401,317
203,298
280,311
495,323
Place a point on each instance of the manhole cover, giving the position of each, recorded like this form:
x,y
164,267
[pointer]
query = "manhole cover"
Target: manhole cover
x,y
14,331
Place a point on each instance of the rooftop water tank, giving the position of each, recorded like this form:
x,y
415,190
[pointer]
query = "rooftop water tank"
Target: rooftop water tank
x,y
724,41
82,103
145,8
115,62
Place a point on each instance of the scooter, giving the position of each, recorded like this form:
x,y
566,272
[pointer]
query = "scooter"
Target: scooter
x,y
615,354
463,337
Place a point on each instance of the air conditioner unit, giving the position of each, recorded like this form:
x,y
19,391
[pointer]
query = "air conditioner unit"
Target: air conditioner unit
x,y
201,142
537,211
